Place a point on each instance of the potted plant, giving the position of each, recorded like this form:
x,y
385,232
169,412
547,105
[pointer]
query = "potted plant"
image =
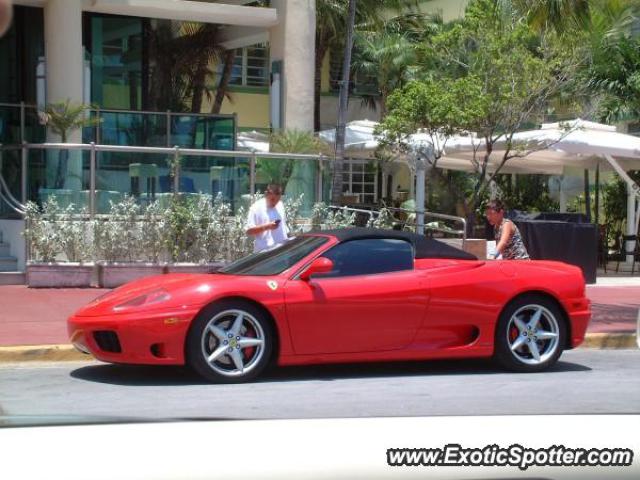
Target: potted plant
x,y
54,234
118,242
63,118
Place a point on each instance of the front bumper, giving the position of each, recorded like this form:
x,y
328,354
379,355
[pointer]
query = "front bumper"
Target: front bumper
x,y
141,338
579,311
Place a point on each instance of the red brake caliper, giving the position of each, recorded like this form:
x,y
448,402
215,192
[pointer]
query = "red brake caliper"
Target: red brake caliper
x,y
513,333
249,351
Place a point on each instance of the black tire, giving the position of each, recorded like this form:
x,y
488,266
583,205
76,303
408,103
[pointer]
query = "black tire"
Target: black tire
x,y
522,359
199,345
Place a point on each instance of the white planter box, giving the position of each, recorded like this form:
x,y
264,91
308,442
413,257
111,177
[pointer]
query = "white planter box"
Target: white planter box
x,y
59,275
111,275
194,267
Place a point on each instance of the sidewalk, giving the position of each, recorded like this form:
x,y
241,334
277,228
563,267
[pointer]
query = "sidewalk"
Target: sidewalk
x,y
37,318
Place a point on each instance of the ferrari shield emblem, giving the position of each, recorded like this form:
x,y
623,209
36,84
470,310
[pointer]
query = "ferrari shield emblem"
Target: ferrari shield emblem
x,y
273,285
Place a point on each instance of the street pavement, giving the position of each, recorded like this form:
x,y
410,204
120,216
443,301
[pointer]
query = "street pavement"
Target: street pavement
x,y
585,381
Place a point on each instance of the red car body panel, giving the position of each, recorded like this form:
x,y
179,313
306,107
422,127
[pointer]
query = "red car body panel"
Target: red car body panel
x,y
441,309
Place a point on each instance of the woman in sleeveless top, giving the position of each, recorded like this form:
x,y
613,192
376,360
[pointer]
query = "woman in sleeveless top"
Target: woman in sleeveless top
x,y
508,239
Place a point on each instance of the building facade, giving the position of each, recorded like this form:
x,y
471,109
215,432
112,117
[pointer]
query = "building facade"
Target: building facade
x,y
115,56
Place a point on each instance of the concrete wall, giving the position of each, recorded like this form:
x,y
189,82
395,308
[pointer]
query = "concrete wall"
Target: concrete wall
x,y
252,109
449,9
356,111
12,234
293,42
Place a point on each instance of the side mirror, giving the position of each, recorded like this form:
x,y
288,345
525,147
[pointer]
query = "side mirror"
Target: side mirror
x,y
319,265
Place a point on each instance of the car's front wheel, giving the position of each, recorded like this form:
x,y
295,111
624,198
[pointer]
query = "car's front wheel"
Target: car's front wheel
x,y
530,334
230,342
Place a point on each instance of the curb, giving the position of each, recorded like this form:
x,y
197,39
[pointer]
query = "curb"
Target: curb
x,y
42,353
610,341
67,353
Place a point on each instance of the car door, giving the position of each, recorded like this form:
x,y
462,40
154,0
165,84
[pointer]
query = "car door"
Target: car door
x,y
373,300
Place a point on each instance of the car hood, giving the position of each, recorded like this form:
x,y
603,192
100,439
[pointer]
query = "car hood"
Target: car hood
x,y
183,290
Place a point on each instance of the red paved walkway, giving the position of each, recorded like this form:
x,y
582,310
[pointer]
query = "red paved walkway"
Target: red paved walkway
x,y
615,309
30,316
38,316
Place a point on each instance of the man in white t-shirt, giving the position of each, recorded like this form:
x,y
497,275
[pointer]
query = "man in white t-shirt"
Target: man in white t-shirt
x,y
266,221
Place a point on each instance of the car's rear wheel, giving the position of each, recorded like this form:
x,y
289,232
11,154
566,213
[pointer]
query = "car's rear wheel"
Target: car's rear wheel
x,y
230,342
530,334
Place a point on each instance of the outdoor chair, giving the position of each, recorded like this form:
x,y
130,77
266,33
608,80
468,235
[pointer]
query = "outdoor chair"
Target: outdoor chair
x,y
635,252
187,184
603,247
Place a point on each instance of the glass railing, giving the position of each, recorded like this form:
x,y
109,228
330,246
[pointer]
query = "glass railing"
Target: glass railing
x,y
91,177
11,173
20,123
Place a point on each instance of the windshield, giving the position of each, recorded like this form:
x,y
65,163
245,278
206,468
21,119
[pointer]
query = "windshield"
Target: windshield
x,y
273,262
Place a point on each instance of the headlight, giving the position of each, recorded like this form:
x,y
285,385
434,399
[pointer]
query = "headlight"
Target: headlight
x,y
153,297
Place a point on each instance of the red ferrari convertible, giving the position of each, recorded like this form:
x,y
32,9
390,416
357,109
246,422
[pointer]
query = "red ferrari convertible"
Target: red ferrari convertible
x,y
349,295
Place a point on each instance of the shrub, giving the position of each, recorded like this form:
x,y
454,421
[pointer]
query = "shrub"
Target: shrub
x,y
117,238
41,235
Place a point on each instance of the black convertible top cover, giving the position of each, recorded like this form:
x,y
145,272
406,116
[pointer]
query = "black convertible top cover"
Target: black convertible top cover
x,y
423,246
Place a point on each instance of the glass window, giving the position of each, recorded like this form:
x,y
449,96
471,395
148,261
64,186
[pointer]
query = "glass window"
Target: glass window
x,y
369,256
358,83
273,262
21,48
250,67
116,62
358,179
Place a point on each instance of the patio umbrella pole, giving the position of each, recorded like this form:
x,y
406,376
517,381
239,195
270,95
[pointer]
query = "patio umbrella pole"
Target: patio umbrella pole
x,y
597,206
587,195
632,193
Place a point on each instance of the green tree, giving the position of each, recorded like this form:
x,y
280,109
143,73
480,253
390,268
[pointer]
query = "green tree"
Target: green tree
x,y
496,76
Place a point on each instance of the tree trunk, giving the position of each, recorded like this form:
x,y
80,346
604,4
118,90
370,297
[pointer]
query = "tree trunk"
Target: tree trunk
x,y
383,105
229,58
321,51
336,192
198,83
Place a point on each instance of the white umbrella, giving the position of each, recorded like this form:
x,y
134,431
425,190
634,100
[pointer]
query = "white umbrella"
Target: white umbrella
x,y
253,141
576,143
360,141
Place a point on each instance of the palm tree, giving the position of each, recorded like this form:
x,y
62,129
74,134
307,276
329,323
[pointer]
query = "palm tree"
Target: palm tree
x,y
287,141
297,176
331,29
184,54
222,91
614,60
64,118
200,47
336,184
557,14
392,53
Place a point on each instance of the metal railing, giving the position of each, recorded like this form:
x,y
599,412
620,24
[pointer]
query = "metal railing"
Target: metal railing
x,y
175,151
371,215
441,216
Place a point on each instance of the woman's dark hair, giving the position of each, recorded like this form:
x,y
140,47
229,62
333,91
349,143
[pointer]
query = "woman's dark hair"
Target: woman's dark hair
x,y
496,205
